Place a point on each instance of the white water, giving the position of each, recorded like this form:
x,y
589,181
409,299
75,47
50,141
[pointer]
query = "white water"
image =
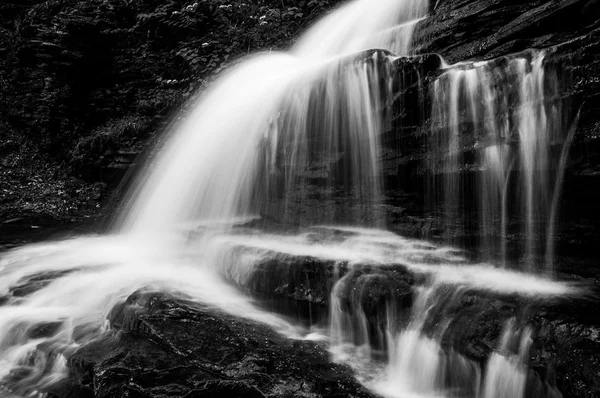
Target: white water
x,y
247,136
266,127
363,25
102,271
378,247
507,373
276,116
512,127
418,366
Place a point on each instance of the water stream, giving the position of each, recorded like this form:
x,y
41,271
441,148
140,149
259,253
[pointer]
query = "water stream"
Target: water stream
x,y
275,127
508,117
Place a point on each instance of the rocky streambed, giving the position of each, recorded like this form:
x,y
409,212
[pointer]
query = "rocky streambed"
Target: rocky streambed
x,y
464,317
162,343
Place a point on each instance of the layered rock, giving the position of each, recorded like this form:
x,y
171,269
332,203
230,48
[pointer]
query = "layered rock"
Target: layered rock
x,y
468,321
161,345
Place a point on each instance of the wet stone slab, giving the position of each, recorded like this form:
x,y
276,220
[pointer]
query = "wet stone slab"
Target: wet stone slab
x,y
163,346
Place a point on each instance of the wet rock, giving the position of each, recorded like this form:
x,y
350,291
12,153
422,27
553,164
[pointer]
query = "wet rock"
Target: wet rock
x,y
367,300
566,348
567,344
32,284
569,29
367,295
373,289
311,279
164,346
461,30
296,277
44,329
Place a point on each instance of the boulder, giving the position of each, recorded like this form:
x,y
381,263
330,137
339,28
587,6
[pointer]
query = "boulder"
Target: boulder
x,y
161,345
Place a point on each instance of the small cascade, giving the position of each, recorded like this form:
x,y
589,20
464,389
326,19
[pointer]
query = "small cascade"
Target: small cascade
x,y
418,365
326,138
364,305
401,346
349,326
496,129
506,373
421,364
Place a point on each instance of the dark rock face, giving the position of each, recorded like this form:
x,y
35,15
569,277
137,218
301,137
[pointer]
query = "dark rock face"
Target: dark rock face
x,y
565,351
163,346
310,279
85,86
299,278
462,30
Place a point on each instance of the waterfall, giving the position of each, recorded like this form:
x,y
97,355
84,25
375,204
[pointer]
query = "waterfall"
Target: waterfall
x,y
507,373
419,365
410,337
314,112
280,131
266,127
416,362
498,122
363,25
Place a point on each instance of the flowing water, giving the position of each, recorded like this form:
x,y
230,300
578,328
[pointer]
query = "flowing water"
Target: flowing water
x,y
278,116
508,113
417,363
268,135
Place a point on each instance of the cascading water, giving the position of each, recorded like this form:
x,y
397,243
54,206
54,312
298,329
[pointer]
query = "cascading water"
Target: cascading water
x,y
506,374
364,25
419,365
277,116
497,122
267,136
418,362
248,136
